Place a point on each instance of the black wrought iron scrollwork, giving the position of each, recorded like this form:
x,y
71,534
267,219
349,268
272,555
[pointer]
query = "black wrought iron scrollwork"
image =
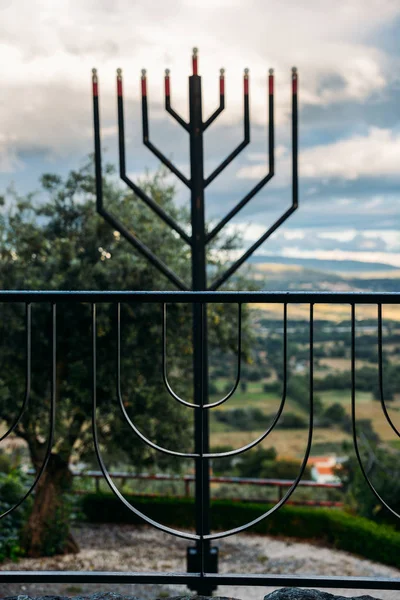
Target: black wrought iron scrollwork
x,y
202,535
203,456
100,460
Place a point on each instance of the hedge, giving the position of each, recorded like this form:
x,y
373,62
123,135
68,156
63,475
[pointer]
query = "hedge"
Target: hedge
x,y
332,527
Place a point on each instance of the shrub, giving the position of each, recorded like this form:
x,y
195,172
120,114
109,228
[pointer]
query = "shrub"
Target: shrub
x,y
333,527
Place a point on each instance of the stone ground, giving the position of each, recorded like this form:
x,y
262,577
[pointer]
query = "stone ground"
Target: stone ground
x,y
132,548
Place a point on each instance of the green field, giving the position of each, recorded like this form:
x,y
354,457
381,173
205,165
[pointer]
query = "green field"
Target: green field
x,y
292,442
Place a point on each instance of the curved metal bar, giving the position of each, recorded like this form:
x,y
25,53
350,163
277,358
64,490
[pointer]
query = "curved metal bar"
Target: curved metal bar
x,y
296,482
380,361
164,365
52,417
124,412
280,409
353,417
28,329
111,484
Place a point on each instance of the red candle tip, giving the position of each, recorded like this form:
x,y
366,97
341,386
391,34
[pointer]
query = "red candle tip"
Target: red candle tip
x,y
271,84
94,82
194,61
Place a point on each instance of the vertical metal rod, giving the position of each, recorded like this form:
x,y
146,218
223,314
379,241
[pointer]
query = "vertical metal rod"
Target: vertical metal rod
x,y
353,372
97,142
271,129
295,140
200,358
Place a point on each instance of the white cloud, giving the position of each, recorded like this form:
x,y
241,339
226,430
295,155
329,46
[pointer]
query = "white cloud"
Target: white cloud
x,y
375,154
48,49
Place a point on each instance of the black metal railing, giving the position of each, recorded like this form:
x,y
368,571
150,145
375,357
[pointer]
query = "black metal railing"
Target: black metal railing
x,y
54,299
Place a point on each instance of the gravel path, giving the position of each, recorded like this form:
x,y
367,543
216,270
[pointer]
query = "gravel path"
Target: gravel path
x,y
126,547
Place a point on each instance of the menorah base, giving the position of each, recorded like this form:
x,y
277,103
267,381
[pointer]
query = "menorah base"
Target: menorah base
x,y
193,563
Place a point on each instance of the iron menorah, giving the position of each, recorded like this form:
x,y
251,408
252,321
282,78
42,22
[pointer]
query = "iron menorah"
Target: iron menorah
x,y
199,239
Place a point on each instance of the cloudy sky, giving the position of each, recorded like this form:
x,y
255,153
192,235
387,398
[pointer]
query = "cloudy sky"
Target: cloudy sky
x,y
348,57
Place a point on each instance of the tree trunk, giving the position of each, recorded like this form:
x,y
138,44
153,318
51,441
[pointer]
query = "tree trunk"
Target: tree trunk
x,y
47,531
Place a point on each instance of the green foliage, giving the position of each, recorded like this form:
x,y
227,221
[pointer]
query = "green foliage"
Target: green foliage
x,y
253,419
383,469
13,485
59,242
62,243
264,463
333,528
298,390
250,464
56,528
242,419
258,463
334,415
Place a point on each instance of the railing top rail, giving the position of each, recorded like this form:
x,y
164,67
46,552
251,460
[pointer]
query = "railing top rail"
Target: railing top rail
x,y
181,297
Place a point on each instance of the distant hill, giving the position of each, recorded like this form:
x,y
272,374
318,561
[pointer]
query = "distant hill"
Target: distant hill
x,y
331,266
313,276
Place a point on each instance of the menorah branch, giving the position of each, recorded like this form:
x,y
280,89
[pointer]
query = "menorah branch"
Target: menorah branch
x,y
107,216
122,168
218,282
142,248
295,192
246,141
146,140
221,107
271,159
168,106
